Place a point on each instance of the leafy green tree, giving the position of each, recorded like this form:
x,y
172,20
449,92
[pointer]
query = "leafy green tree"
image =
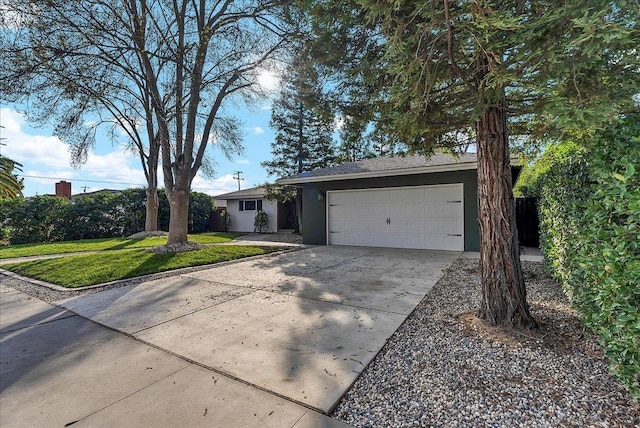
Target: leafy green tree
x,y
172,66
531,69
303,126
10,185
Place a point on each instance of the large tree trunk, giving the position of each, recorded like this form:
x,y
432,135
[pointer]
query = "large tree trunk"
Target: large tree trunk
x,y
504,296
151,210
178,196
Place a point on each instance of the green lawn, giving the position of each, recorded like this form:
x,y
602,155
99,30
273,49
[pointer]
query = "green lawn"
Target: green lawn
x,y
25,250
89,269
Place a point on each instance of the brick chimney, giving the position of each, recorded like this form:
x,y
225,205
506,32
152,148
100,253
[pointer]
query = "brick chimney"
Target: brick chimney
x,y
63,189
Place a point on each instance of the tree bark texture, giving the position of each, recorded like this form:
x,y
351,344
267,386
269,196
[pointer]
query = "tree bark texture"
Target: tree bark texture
x,y
178,216
178,196
504,296
151,210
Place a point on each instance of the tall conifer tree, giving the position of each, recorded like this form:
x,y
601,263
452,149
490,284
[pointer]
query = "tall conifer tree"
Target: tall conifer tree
x,y
303,126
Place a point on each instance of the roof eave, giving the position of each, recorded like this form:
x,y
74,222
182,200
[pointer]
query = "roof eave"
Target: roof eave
x,y
231,198
374,174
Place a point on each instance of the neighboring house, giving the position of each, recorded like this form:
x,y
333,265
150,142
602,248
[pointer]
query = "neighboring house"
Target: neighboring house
x,y
401,202
243,204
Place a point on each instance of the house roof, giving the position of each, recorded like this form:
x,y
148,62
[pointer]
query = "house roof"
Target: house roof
x,y
254,192
387,166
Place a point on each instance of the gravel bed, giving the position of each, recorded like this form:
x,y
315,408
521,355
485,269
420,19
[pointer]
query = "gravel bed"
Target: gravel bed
x,y
443,369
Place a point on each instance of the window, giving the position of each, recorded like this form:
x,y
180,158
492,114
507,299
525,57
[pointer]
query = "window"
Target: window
x,y
250,205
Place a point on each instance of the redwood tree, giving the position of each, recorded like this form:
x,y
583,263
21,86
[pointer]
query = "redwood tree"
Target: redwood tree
x,y
494,68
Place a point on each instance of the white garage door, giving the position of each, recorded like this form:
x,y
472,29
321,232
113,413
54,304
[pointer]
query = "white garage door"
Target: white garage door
x,y
426,217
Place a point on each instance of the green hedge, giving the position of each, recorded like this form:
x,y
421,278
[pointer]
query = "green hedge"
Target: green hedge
x,y
590,236
96,215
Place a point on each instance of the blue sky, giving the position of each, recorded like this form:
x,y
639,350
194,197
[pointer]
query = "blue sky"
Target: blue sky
x,y
111,167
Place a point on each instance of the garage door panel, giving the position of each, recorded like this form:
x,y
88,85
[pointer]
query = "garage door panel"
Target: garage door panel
x,y
398,210
415,194
427,217
452,243
416,209
433,194
433,225
434,241
452,209
452,226
397,225
451,193
434,209
382,210
416,225
357,225
380,196
416,240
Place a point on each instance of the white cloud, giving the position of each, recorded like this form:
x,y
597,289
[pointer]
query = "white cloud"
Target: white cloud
x,y
243,162
257,130
114,166
43,176
45,156
265,107
39,150
215,186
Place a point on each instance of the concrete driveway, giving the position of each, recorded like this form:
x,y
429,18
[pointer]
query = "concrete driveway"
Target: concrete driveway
x,y
298,326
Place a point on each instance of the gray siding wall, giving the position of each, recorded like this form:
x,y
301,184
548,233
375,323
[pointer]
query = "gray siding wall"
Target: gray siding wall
x,y
314,211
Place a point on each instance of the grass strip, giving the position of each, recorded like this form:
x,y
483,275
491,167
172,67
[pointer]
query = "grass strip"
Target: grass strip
x,y
90,269
27,250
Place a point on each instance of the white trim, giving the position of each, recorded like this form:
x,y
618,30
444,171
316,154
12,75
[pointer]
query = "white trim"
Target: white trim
x,y
327,199
385,173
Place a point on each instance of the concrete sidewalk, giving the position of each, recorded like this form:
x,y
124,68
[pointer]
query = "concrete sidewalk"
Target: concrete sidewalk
x,y
58,369
258,342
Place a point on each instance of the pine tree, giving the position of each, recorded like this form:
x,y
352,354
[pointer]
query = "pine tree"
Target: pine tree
x,y
303,125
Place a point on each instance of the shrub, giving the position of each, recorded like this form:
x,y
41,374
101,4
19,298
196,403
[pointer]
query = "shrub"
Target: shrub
x,y
261,221
590,235
37,219
94,215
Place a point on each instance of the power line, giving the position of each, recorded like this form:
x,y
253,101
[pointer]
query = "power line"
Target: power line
x,y
110,182
79,179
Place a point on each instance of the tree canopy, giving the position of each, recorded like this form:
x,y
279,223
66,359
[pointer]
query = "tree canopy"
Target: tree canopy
x,y
173,66
428,71
418,66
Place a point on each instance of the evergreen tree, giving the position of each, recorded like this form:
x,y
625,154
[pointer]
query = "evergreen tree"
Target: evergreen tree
x,y
303,126
491,68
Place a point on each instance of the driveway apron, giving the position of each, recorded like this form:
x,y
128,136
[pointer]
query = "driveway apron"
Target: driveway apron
x,y
301,325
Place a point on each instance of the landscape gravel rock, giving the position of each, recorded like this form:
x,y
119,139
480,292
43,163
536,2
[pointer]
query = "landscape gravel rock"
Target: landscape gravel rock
x,y
444,368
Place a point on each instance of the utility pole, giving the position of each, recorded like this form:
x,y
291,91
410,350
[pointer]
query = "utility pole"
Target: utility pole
x,y
236,176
